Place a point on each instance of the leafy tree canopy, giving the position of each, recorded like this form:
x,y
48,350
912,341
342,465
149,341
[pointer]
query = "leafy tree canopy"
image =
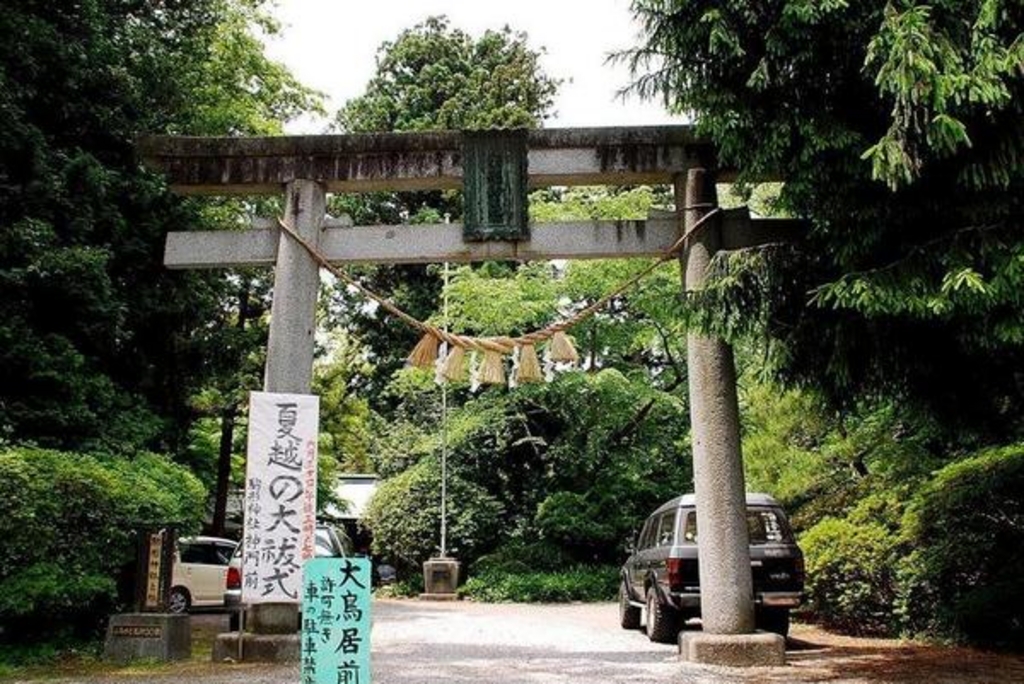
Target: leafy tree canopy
x,y
100,345
435,77
897,129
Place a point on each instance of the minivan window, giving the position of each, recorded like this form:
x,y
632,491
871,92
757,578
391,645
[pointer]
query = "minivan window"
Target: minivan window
x,y
764,525
204,553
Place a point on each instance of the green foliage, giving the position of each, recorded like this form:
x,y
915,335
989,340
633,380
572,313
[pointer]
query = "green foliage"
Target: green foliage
x,y
607,442
822,463
579,203
575,583
408,588
68,523
574,520
518,557
434,77
902,535
851,576
405,516
966,531
577,463
495,299
783,431
101,347
897,128
344,415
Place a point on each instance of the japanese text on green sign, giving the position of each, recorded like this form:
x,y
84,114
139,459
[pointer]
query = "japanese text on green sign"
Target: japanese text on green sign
x,y
336,621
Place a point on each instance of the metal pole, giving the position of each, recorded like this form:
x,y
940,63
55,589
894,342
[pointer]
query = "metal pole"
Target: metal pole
x,y
444,437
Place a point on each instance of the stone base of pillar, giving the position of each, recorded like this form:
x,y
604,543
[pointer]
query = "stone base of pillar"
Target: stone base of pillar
x,y
273,618
257,648
761,649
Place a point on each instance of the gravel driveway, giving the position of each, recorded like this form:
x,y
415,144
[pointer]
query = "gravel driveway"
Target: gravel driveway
x,y
453,643
516,644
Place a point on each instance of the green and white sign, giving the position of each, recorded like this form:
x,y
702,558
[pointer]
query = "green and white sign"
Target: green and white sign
x,y
336,621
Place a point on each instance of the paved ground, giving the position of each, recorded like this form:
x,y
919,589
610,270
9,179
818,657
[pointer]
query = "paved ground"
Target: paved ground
x,y
428,643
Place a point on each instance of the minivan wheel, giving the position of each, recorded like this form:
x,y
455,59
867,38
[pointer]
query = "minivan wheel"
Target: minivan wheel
x,y
775,620
629,615
179,601
662,620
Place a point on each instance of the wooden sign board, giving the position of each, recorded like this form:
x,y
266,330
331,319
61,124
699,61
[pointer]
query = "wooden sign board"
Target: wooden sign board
x,y
153,571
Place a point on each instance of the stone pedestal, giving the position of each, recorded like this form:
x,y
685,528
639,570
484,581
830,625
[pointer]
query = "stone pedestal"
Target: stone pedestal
x,y
257,648
440,579
148,636
273,618
760,649
273,636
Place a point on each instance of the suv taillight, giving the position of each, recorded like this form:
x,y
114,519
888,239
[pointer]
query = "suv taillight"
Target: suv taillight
x,y
234,578
800,569
675,573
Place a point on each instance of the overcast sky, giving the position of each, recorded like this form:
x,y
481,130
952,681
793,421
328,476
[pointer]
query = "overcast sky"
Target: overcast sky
x,y
330,45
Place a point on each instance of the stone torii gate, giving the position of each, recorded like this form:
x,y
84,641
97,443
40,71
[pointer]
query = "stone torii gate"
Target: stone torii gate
x,y
306,168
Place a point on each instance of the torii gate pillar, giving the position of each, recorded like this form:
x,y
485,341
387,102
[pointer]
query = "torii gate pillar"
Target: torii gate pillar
x,y
296,284
726,586
290,347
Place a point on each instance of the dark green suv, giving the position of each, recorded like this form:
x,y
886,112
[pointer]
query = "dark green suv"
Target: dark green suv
x,y
661,576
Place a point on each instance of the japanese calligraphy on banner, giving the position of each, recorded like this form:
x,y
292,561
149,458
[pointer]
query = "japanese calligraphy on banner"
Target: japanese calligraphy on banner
x,y
336,621
280,495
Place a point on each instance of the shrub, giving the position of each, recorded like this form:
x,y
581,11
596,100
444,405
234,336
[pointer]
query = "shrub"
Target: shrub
x,y
851,584
966,526
578,583
518,556
67,523
405,517
580,522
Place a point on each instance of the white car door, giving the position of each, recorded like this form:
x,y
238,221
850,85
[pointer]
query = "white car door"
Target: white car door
x,y
204,565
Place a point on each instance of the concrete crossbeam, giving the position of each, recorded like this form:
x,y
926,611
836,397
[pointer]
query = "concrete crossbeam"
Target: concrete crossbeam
x,y
424,244
417,161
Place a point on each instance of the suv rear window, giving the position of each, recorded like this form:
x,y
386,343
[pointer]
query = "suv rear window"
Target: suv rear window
x,y
764,525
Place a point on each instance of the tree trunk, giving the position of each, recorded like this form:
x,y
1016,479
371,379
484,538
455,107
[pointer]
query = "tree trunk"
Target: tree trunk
x,y
227,438
227,434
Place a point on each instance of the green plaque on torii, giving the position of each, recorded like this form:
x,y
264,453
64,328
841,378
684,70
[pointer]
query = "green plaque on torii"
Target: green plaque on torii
x,y
494,167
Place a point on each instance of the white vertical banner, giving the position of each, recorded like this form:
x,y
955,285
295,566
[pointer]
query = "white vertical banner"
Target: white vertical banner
x,y
280,495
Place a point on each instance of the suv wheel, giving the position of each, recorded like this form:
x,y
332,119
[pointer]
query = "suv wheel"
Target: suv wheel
x,y
179,601
662,620
629,615
775,620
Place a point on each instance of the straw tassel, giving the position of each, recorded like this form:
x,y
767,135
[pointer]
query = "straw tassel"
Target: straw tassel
x,y
424,354
528,369
454,367
560,349
492,370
